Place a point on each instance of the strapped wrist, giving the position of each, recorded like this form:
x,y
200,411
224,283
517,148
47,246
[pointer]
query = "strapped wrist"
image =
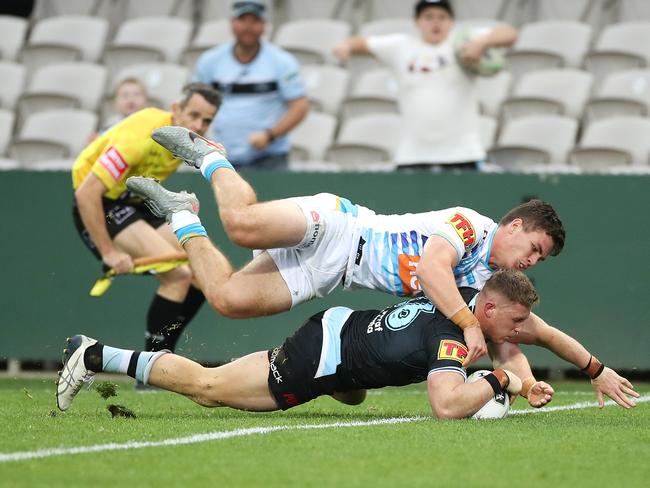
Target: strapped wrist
x,y
526,385
465,319
594,368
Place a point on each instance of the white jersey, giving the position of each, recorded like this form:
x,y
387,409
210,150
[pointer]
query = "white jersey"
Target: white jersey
x,y
387,248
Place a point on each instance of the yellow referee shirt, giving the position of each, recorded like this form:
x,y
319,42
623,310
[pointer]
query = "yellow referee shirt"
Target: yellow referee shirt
x,y
127,149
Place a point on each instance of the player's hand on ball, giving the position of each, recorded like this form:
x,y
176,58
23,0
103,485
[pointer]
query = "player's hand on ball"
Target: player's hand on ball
x,y
540,394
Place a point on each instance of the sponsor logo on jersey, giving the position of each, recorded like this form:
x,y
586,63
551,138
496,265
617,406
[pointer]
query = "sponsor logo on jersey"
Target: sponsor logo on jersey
x,y
113,162
274,369
407,265
453,350
464,229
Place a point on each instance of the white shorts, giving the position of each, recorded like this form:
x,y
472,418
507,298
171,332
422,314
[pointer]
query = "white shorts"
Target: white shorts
x,y
317,270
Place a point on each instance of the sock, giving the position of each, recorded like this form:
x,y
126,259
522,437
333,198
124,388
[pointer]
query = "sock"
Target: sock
x,y
162,318
187,225
99,357
193,302
213,162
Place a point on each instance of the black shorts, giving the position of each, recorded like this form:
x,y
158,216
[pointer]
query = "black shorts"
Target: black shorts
x,y
293,366
119,214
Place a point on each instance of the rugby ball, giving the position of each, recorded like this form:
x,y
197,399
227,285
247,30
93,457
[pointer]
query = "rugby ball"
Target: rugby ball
x,y
492,61
496,407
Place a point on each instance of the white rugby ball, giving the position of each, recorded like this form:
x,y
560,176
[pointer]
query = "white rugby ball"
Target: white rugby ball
x,y
492,61
496,407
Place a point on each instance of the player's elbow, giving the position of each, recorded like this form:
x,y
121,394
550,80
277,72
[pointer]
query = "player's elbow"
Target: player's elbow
x,y
239,227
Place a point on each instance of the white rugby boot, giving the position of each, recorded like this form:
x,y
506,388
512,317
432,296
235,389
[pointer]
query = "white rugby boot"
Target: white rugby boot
x,y
186,145
74,373
162,202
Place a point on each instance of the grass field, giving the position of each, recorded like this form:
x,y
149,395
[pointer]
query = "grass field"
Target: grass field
x,y
174,442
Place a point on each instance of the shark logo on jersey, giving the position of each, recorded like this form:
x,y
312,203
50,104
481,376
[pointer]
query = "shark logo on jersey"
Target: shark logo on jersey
x,y
407,312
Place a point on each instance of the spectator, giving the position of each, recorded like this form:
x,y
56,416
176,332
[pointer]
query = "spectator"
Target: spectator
x,y
437,97
129,97
263,93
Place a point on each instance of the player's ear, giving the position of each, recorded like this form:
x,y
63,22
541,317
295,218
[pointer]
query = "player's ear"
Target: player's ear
x,y
489,308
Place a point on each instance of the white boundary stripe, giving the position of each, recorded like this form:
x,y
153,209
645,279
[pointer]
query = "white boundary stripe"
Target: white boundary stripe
x,y
215,436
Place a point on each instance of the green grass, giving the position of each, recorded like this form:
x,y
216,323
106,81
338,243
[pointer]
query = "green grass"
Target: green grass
x,y
588,447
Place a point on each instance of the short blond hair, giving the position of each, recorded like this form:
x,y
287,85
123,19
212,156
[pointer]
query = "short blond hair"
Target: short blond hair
x,y
513,285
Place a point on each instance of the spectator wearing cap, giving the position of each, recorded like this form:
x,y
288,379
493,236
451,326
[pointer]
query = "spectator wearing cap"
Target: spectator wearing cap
x,y
438,99
263,93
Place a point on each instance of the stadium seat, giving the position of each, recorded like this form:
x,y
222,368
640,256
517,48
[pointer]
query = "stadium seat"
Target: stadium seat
x,y
480,9
312,41
12,37
389,9
374,92
534,140
551,10
155,8
620,47
388,26
488,127
563,91
621,93
148,39
163,81
322,9
53,134
6,130
611,142
366,142
634,10
546,45
12,83
326,86
63,85
311,138
493,91
65,38
54,8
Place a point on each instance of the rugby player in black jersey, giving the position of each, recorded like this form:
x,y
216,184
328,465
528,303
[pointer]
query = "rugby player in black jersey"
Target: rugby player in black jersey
x,y
338,352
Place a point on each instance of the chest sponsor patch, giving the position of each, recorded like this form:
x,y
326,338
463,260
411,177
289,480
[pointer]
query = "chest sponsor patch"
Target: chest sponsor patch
x,y
113,162
453,350
464,229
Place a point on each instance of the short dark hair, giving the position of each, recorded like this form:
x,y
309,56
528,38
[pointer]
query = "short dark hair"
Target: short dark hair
x,y
513,285
421,5
539,215
211,95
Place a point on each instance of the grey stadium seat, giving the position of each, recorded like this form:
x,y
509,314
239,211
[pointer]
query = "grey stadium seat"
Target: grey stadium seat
x,y
560,91
535,140
64,85
312,41
311,138
374,92
6,129
53,134
365,142
12,83
148,39
621,93
12,36
65,38
493,91
325,85
615,141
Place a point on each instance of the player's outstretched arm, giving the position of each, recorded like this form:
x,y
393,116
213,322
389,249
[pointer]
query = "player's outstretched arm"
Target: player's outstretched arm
x,y
604,380
509,356
436,278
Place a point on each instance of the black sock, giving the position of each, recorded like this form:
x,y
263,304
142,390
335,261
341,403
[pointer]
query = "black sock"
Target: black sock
x,y
193,302
94,358
162,319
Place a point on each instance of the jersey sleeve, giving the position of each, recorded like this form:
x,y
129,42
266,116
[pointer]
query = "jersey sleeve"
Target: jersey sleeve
x,y
289,79
388,48
463,228
446,354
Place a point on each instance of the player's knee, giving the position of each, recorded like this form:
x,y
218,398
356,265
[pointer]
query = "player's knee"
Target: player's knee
x,y
354,397
206,392
181,276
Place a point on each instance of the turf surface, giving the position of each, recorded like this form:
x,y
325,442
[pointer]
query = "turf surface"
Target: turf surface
x,y
573,448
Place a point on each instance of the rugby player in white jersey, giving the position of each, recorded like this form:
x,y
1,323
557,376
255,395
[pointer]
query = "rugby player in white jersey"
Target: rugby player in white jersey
x,y
315,243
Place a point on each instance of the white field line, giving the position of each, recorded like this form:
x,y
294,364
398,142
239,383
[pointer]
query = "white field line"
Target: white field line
x,y
215,436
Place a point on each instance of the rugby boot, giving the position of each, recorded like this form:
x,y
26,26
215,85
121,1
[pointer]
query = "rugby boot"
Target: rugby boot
x,y
186,145
74,373
162,202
